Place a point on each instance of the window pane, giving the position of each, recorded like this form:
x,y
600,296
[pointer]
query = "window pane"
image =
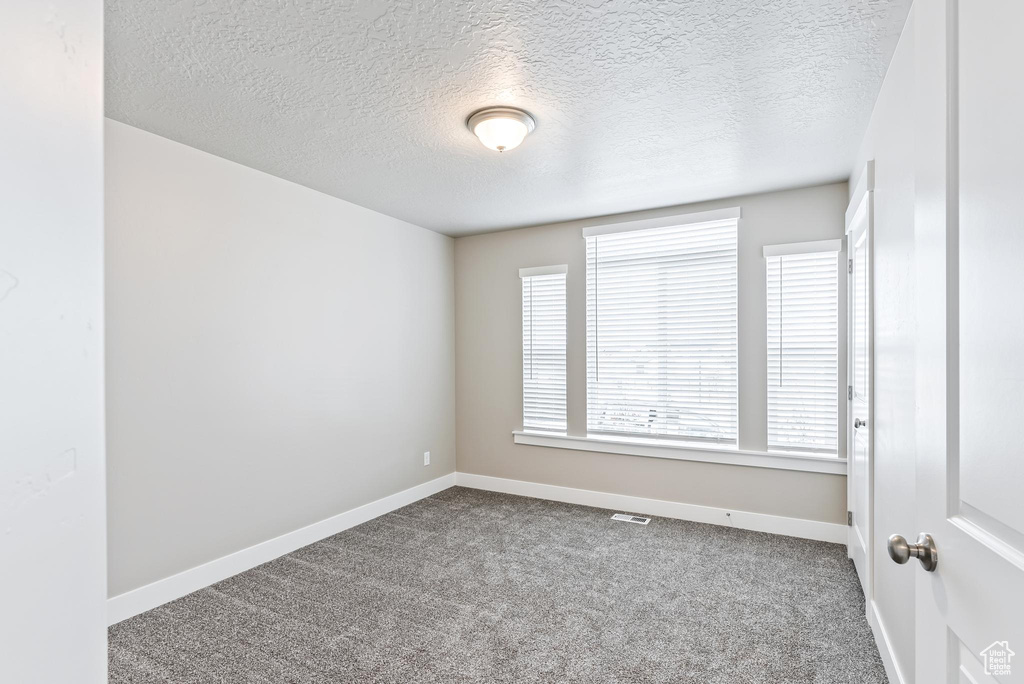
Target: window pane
x,y
803,352
661,332
544,352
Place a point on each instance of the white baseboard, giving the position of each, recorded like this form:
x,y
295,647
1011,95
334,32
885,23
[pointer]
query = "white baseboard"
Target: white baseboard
x,y
758,522
152,595
892,670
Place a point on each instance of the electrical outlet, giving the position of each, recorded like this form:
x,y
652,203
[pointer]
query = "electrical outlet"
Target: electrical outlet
x,y
426,458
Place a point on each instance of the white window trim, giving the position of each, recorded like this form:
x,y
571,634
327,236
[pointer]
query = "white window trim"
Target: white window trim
x,y
663,222
682,451
837,246
543,270
815,247
531,272
725,216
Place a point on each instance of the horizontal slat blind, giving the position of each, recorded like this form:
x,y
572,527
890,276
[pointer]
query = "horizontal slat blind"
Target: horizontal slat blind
x,y
661,332
544,352
803,352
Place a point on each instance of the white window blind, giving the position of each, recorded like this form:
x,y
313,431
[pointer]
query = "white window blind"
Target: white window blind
x,y
544,348
803,347
661,330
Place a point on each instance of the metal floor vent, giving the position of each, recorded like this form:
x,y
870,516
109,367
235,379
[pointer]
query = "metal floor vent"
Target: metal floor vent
x,y
625,517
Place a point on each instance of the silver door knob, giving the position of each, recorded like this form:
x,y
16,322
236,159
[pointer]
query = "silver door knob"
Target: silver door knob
x,y
858,423
924,550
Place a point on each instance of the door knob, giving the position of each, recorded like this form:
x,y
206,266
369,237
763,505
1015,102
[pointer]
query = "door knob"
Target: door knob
x,y
924,550
858,423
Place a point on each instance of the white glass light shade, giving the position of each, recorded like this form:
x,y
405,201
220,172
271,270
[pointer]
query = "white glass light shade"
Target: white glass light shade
x,y
501,128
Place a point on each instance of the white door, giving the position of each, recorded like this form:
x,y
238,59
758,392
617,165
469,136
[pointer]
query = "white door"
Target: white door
x,y
859,480
969,242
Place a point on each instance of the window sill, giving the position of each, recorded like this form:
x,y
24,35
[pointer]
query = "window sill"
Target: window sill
x,y
685,452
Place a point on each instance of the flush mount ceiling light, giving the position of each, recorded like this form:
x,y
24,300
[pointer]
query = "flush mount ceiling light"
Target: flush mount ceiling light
x,y
501,128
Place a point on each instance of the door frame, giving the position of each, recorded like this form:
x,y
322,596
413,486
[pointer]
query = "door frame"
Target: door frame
x,y
861,201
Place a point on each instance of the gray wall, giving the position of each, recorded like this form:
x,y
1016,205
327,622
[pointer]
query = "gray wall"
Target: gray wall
x,y
275,356
489,365
52,560
889,141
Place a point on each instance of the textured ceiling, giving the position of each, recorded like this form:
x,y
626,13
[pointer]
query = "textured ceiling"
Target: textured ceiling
x,y
639,103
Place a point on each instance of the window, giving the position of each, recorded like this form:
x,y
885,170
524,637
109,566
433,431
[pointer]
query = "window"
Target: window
x,y
661,328
803,346
544,348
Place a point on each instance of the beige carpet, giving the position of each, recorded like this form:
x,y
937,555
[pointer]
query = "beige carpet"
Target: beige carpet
x,y
471,586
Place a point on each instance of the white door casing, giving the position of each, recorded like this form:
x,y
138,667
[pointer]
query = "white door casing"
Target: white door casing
x,y
860,475
970,371
52,462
